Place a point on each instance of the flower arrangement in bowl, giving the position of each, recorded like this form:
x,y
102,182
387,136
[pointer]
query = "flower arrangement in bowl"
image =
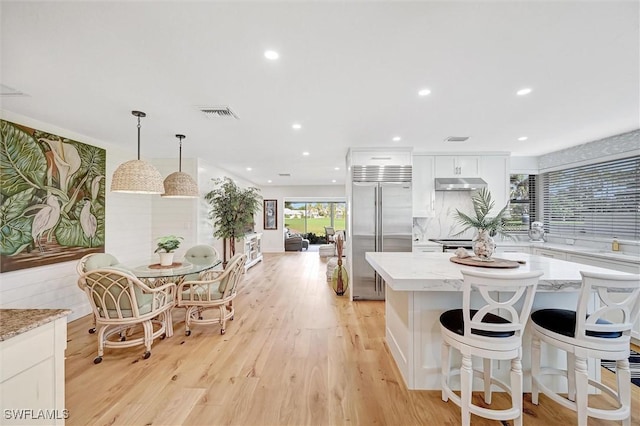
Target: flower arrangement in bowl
x,y
487,226
166,246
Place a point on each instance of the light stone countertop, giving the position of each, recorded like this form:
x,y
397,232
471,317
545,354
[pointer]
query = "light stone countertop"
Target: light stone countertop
x,y
17,321
566,248
435,272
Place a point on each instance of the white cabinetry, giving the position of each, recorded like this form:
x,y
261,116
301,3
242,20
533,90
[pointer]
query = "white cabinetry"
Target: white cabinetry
x,y
457,166
252,244
423,186
32,374
550,253
494,169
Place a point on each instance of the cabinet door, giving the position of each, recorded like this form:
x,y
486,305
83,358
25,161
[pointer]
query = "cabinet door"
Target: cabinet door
x,y
550,253
423,193
495,171
468,165
445,166
457,166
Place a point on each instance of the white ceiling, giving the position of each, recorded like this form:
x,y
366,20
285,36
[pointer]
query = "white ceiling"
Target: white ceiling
x,y
349,72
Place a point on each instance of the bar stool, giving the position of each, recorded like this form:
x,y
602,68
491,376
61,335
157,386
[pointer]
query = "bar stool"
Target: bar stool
x,y
492,330
602,334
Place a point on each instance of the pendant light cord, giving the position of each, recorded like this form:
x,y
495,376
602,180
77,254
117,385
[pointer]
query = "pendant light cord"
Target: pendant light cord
x,y
180,137
180,163
138,137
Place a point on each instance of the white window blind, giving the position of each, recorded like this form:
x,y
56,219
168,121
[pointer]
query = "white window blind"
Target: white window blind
x,y
597,200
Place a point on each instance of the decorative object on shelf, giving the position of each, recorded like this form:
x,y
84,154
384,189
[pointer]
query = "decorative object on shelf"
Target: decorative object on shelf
x,y
137,176
536,233
270,214
166,246
340,279
486,226
232,211
179,184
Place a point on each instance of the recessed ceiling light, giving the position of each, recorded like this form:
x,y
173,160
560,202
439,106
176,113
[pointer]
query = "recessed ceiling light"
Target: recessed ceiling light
x,y
249,169
305,153
333,181
271,55
296,126
424,92
397,138
523,92
269,181
336,168
523,138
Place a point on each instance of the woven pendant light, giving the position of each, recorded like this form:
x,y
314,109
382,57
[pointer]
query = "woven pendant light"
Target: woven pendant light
x,y
137,176
179,184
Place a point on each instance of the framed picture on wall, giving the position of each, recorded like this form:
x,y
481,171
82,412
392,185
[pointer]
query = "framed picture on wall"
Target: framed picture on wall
x,y
270,214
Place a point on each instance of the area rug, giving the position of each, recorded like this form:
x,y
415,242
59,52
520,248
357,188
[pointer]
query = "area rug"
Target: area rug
x,y
634,366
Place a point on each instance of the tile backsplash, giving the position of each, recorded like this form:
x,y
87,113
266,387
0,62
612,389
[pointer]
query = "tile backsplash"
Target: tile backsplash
x,y
443,223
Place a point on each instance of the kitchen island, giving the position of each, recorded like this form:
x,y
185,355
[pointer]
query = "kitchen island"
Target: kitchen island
x,y
420,286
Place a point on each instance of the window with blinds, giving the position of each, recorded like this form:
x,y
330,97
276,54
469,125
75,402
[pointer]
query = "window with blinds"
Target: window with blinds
x,y
597,200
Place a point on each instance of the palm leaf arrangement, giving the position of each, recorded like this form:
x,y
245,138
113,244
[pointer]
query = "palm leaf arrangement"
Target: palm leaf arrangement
x,y
482,205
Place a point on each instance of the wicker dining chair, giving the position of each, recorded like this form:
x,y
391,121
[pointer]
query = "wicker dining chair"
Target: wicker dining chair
x,y
120,302
212,291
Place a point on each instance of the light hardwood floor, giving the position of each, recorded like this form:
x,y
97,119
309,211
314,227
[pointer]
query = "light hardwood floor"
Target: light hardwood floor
x,y
296,354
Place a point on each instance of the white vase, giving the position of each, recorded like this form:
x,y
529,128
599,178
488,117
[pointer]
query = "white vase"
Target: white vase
x,y
483,245
166,259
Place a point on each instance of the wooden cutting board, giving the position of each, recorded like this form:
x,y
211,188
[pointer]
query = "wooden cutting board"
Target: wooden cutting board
x,y
496,262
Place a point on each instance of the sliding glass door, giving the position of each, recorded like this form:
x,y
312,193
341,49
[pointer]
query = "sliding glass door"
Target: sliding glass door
x,y
310,216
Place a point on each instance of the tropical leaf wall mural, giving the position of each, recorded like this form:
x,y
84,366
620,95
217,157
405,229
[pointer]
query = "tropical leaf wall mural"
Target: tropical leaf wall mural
x,y
52,198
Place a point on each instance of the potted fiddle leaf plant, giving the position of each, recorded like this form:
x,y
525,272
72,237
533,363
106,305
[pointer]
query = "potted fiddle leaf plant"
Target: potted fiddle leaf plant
x,y
165,248
485,225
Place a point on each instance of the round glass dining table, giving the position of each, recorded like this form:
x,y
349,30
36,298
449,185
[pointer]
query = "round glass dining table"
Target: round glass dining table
x,y
154,274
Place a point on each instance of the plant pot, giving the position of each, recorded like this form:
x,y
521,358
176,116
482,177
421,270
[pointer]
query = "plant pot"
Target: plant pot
x,y
166,259
483,245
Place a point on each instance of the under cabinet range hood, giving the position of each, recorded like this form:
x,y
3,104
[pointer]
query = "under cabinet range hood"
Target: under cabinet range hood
x,y
459,184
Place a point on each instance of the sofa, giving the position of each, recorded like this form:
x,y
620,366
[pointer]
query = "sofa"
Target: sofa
x,y
294,242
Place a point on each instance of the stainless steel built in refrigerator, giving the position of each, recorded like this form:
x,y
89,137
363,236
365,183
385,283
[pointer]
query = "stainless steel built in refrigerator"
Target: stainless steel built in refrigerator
x,y
381,221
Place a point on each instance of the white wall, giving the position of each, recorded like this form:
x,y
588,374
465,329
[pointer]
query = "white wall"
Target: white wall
x,y
273,240
128,237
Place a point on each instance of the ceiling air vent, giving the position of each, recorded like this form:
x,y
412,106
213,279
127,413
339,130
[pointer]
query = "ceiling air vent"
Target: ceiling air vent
x,y
456,138
284,174
218,112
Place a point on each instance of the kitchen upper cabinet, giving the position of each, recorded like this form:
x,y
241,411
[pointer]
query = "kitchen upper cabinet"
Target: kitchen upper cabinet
x,y
423,186
458,166
494,169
